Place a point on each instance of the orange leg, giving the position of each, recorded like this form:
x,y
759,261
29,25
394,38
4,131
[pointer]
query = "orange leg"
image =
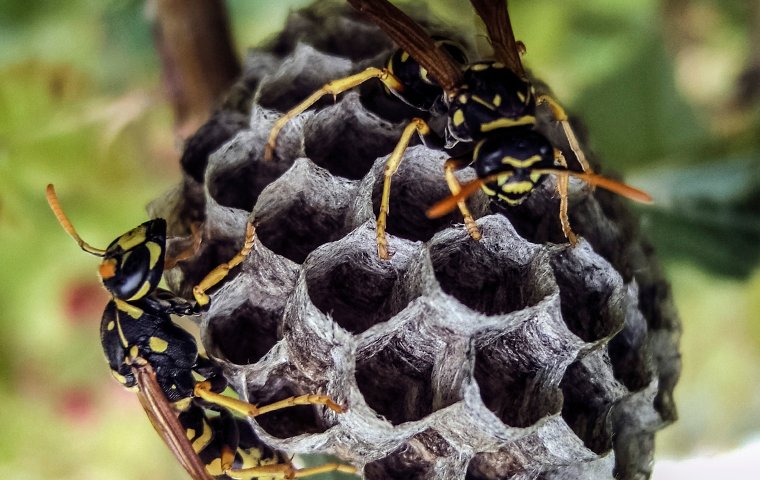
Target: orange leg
x,y
561,116
220,272
563,180
448,169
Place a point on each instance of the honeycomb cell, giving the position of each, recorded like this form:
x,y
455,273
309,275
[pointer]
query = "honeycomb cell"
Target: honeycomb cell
x,y
418,458
302,210
288,422
394,374
589,293
346,139
355,289
513,373
245,334
487,275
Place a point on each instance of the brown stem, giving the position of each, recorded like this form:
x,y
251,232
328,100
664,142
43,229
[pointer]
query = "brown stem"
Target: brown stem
x,y
199,62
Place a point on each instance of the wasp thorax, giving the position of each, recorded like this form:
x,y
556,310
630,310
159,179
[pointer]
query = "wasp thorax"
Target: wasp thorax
x,y
491,97
133,263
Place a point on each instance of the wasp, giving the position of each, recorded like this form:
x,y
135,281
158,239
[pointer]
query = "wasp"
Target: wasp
x,y
491,105
179,389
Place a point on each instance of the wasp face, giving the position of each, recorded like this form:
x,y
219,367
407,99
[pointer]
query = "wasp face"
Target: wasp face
x,y
516,152
133,263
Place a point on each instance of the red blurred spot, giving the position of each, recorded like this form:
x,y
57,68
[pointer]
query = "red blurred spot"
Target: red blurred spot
x,y
84,302
77,405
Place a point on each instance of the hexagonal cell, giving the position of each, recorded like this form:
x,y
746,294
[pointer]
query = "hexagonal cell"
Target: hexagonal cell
x,y
518,371
590,392
519,398
304,72
354,285
414,187
211,254
590,293
346,139
291,421
302,210
245,334
236,174
486,275
395,376
413,460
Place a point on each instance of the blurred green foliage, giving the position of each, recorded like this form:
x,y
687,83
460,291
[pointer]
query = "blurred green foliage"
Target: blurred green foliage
x,y
81,106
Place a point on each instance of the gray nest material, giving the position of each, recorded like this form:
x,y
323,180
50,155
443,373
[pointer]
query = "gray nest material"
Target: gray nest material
x,y
516,356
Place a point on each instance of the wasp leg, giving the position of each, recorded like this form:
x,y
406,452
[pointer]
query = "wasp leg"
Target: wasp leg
x,y
284,470
331,88
561,116
203,390
217,274
391,166
449,168
563,180
189,251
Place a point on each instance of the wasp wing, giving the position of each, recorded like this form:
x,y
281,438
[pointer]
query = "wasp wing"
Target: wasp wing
x,y
495,15
414,40
165,421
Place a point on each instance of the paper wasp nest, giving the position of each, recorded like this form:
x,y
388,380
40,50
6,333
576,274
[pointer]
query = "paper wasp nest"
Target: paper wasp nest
x,y
517,356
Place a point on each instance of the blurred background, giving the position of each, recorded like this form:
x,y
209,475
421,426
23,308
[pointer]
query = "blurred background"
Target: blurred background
x,y
669,91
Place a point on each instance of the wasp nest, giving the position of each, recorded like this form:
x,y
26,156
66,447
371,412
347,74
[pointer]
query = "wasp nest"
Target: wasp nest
x,y
516,356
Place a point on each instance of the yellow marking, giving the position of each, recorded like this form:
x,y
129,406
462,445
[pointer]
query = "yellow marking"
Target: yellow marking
x,y
251,457
389,67
498,65
501,180
424,74
142,292
507,122
158,345
182,404
134,352
203,439
463,98
489,191
119,377
132,238
107,268
128,308
521,96
521,163
190,433
404,56
476,153
458,118
483,102
479,67
517,187
215,467
535,177
497,100
110,325
155,253
510,201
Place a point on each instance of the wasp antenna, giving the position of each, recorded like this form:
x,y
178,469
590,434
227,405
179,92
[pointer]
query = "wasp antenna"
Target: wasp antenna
x,y
448,204
55,205
614,186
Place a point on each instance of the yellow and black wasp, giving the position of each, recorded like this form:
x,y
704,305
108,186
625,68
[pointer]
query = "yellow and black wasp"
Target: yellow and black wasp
x,y
179,389
491,104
